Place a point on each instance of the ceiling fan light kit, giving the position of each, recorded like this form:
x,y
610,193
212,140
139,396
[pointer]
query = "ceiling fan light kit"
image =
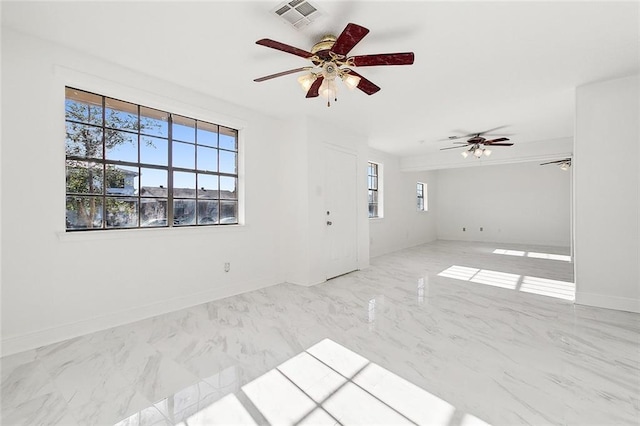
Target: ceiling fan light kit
x,y
478,144
564,164
330,61
306,81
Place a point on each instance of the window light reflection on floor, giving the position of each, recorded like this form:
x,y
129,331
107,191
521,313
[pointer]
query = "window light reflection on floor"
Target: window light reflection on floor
x,y
509,252
226,411
459,272
371,312
409,400
192,399
279,400
326,384
533,254
542,286
550,256
421,287
496,279
330,382
546,287
469,420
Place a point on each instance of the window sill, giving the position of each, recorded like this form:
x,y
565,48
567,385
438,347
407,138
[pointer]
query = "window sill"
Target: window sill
x,y
122,234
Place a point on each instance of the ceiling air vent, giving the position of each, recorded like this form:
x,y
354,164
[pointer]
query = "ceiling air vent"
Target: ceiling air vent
x,y
298,13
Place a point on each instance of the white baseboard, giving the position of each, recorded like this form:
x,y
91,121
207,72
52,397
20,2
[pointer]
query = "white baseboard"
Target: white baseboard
x,y
609,302
14,344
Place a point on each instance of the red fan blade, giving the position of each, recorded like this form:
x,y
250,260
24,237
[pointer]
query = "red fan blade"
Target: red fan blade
x,y
365,85
496,140
284,47
497,144
351,35
383,59
280,74
313,90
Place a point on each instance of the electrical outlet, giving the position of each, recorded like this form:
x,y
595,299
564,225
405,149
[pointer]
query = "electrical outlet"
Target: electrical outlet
x,y
464,229
227,266
481,228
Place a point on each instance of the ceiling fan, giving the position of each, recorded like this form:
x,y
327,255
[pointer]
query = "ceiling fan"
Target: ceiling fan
x,y
331,61
564,164
477,143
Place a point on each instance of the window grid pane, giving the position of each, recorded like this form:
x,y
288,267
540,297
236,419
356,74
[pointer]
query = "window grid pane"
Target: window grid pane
x,y
131,166
372,180
420,197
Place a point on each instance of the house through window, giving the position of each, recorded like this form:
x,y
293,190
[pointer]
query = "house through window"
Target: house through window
x,y
130,166
374,194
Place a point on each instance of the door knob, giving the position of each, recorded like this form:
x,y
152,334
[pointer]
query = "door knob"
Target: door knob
x,y
329,223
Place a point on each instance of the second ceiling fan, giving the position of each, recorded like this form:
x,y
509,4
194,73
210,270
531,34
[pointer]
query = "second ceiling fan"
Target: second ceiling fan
x,y
331,61
478,144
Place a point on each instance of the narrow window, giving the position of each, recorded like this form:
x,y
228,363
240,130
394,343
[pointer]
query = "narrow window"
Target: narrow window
x,y
130,166
421,198
374,194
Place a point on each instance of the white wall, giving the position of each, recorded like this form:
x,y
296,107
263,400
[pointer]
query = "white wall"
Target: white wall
x,y
607,193
57,285
295,260
402,225
515,203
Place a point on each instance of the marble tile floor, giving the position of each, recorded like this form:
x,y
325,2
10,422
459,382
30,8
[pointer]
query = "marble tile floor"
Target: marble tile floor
x,y
446,333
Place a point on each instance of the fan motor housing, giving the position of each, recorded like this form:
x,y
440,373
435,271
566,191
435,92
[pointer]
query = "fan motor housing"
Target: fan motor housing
x,y
326,43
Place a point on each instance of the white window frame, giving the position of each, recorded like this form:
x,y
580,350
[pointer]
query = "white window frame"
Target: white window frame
x,y
378,187
170,168
421,193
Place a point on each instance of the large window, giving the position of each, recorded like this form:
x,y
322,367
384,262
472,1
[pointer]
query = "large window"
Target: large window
x,y
421,196
374,194
130,166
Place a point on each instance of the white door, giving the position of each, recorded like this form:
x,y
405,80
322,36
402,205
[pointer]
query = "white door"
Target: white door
x,y
341,211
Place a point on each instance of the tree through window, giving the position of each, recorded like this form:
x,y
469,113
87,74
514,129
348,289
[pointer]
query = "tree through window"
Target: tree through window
x,y
130,166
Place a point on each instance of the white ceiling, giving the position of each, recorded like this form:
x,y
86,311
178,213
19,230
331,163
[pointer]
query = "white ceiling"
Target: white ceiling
x,y
478,64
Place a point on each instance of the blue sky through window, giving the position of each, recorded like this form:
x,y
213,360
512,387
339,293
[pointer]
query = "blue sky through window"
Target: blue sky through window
x,y
215,146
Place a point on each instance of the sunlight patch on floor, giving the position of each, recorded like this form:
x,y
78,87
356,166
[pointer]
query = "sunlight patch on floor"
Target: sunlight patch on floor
x,y
533,254
550,256
546,287
459,272
469,420
328,383
496,279
509,252
542,286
